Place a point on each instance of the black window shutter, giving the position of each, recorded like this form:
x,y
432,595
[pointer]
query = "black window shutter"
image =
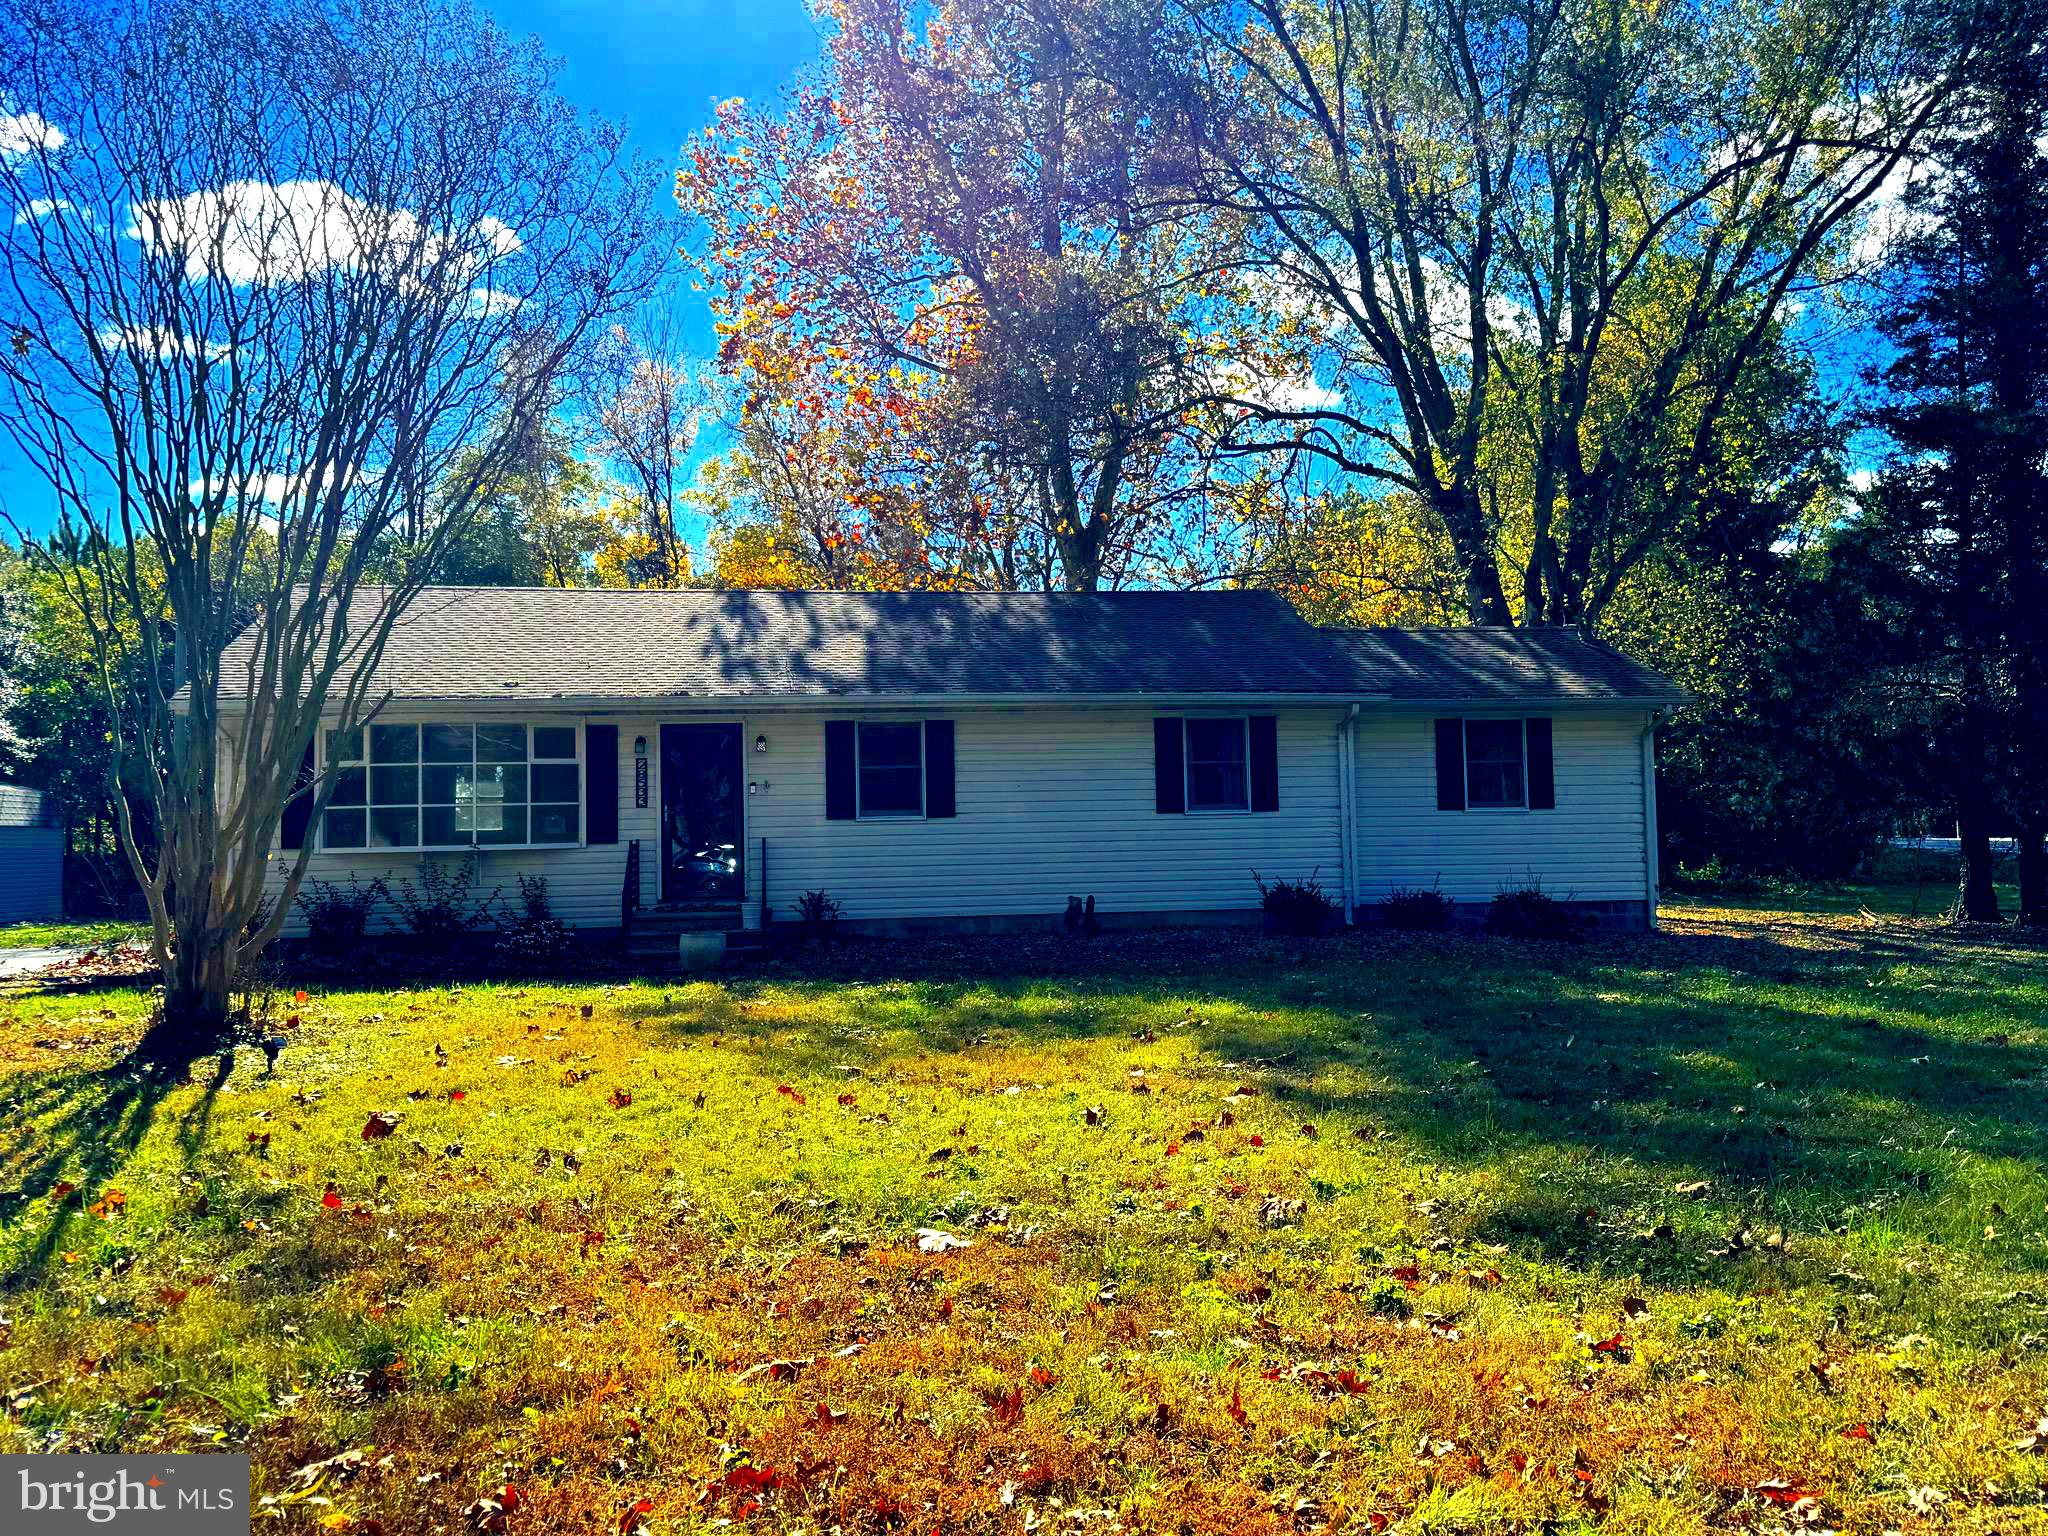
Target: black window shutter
x,y
601,783
938,768
298,811
1170,785
1265,730
1542,772
839,800
1450,765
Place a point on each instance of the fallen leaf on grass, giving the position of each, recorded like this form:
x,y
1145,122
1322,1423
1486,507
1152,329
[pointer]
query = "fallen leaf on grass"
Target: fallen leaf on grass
x,y
331,1199
1005,1407
377,1127
932,1240
620,1098
488,1513
1857,1432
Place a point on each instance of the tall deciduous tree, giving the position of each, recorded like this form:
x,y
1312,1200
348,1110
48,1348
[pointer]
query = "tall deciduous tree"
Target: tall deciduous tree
x,y
1541,243
274,268
958,203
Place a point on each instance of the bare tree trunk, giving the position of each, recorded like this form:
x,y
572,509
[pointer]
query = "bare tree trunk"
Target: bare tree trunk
x,y
2033,851
1976,895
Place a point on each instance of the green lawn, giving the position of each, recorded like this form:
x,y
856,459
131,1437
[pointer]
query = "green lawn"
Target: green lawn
x,y
64,935
1737,1227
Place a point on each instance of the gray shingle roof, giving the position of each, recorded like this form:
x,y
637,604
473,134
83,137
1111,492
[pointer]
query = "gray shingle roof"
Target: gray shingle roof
x,y
534,643
1501,665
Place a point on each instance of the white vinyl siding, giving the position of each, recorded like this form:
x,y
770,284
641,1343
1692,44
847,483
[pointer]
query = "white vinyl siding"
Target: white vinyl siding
x,y
1590,848
1051,803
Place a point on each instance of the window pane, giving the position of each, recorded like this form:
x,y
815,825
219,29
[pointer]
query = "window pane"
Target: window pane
x,y
348,787
891,792
394,786
438,825
501,781
554,823
444,784
345,746
447,743
1493,762
394,744
511,827
344,829
1218,779
891,746
1216,787
891,768
501,743
555,781
554,741
394,828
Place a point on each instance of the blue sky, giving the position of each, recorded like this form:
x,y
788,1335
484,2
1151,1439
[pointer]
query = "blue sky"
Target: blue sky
x,y
658,65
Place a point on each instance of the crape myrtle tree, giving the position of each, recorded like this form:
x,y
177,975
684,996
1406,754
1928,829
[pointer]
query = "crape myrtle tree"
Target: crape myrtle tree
x,y
1540,245
271,270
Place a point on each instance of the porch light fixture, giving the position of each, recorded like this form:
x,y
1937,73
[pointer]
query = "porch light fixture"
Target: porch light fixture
x,y
760,743
639,746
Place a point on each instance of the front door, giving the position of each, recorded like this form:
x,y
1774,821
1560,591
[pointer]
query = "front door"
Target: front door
x,y
701,810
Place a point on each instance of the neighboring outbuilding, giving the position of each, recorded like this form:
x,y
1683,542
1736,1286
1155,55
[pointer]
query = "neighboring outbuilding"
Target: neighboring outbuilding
x,y
31,857
972,760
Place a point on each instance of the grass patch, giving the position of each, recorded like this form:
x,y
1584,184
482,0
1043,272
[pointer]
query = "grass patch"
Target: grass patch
x,y
1736,1226
69,935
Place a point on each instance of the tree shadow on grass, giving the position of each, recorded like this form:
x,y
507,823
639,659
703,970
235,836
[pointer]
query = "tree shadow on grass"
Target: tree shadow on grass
x,y
95,1118
1591,1077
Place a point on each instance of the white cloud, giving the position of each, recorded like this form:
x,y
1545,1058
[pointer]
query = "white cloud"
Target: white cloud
x,y
162,343
258,232
490,301
273,488
21,132
1297,393
46,207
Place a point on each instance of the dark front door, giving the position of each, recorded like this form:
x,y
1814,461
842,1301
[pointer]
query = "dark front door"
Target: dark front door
x,y
701,790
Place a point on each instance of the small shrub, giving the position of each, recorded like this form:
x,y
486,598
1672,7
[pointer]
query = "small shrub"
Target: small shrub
x,y
536,936
819,915
1298,907
1424,909
1081,921
338,916
1526,912
439,909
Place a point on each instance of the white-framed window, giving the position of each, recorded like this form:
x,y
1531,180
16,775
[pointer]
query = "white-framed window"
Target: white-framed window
x,y
888,771
454,785
1217,754
1496,765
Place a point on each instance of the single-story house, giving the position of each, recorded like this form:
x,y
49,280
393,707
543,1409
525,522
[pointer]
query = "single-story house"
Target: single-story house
x,y
973,760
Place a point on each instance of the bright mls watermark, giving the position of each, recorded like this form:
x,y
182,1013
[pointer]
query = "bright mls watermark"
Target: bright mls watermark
x,y
196,1495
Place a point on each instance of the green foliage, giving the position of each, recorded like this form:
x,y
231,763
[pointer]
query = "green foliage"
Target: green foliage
x,y
1295,906
1529,912
338,916
1417,908
440,908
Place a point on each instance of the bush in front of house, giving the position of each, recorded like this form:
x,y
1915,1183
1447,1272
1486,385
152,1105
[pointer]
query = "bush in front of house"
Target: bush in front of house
x,y
1297,907
439,908
337,915
1419,908
818,913
1528,912
536,936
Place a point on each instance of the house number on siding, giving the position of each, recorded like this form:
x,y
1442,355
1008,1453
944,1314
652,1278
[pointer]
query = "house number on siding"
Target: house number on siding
x,y
640,783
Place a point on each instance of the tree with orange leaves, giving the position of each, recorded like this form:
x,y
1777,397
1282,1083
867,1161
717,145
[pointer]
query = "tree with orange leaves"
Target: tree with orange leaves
x,y
949,303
